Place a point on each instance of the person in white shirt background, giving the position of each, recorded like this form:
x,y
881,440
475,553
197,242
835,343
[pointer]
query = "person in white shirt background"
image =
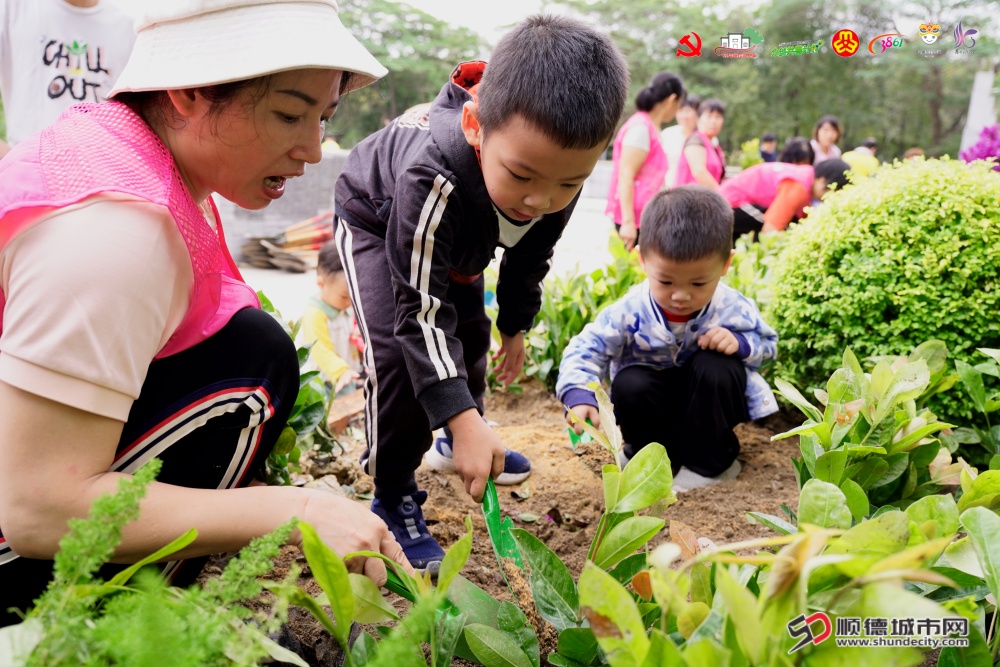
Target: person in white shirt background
x,y
56,53
673,137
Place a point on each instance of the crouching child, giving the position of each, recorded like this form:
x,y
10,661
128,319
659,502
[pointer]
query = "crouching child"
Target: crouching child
x,y
681,349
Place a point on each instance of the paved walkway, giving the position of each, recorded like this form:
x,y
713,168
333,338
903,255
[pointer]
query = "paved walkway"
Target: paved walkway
x,y
582,248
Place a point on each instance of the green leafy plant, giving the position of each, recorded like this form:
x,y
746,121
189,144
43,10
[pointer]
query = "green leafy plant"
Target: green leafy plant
x,y
752,268
570,304
307,426
974,379
136,618
870,441
749,154
883,264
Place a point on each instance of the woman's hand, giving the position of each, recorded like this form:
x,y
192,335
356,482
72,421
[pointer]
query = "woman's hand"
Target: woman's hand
x,y
345,527
345,378
629,234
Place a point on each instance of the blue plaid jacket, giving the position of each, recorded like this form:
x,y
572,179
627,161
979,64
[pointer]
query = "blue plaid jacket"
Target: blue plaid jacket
x,y
633,331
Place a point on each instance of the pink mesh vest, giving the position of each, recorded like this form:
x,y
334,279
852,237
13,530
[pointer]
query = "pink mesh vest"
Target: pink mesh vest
x,y
715,162
649,178
107,148
759,184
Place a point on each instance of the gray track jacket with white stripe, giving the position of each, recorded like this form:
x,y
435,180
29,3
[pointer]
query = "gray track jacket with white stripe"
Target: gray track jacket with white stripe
x,y
418,184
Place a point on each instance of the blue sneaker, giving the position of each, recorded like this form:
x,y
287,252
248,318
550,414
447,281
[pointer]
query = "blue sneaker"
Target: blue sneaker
x,y
406,521
516,467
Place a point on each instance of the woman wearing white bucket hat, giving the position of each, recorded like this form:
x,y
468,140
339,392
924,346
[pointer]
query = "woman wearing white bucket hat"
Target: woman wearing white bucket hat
x,y
126,332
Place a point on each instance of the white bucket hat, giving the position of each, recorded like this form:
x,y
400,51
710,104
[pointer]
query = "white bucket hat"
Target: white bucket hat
x,y
193,43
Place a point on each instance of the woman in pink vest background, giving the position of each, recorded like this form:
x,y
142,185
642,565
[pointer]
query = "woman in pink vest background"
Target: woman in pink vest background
x,y
703,162
639,163
769,196
126,331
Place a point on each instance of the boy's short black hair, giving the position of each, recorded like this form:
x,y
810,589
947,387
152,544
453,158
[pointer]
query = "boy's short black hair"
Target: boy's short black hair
x,y
834,171
766,137
687,224
660,88
870,142
329,262
797,150
560,75
712,104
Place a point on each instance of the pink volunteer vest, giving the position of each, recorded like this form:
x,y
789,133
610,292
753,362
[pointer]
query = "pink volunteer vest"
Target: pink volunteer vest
x,y
759,184
94,149
714,162
648,180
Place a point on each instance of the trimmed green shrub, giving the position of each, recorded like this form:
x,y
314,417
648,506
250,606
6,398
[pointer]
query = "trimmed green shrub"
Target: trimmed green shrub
x,y
909,254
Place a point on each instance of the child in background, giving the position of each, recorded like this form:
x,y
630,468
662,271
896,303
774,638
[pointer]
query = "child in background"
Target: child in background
x,y
768,147
422,206
681,349
797,150
328,324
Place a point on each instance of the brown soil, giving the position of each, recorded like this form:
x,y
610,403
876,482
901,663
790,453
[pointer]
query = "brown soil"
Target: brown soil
x,y
565,497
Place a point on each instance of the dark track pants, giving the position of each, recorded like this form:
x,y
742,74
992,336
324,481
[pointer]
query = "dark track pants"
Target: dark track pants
x,y
690,410
211,413
396,426
747,218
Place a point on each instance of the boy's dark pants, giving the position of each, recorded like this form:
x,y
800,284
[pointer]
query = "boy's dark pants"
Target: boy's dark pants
x,y
691,410
397,430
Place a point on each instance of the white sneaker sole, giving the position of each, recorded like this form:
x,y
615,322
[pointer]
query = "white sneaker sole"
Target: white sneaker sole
x,y
435,460
687,480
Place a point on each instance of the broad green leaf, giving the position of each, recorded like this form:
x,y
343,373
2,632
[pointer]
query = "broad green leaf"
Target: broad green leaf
x,y
493,647
456,557
369,605
578,644
829,654
706,652
907,383
279,653
628,568
364,648
613,616
830,466
867,472
795,397
973,381
820,430
741,606
897,465
286,442
857,501
983,527
609,425
450,625
331,575
610,477
810,448
663,652
774,523
823,504
913,439
551,583
975,654
880,380
512,621
646,479
889,600
991,353
936,516
886,534
860,452
625,538
122,577
983,492
934,353
18,641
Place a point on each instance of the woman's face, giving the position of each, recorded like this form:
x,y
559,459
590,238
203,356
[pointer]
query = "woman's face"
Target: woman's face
x,y
710,123
668,107
827,135
687,118
248,151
